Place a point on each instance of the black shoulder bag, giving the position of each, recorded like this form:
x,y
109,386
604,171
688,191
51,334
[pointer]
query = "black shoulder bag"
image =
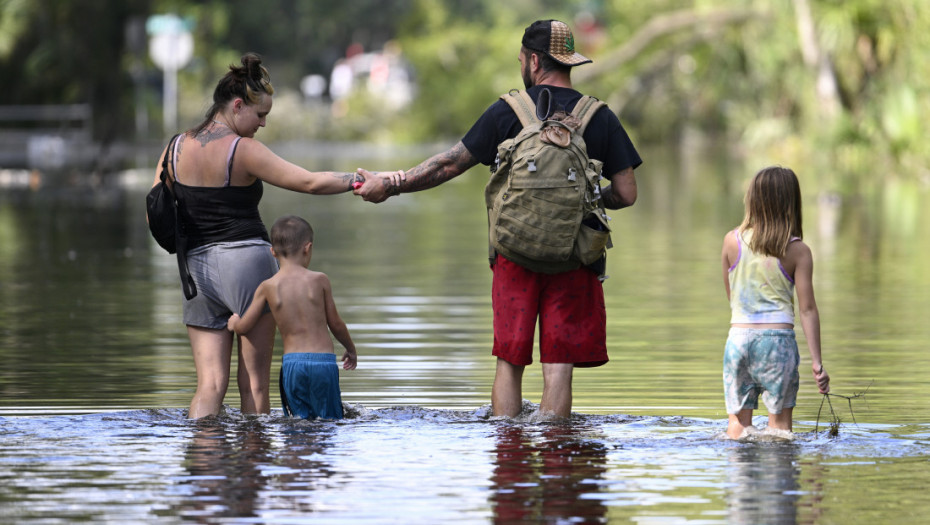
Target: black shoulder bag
x,y
161,207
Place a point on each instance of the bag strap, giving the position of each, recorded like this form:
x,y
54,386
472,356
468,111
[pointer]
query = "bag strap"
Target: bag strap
x,y
585,110
164,161
187,281
522,105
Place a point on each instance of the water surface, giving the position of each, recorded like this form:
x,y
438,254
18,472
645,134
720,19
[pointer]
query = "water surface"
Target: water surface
x,y
96,372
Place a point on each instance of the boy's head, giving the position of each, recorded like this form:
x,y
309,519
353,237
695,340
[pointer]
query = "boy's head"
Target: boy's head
x,y
289,235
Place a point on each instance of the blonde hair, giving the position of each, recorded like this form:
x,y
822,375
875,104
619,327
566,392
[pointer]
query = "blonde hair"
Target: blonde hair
x,y
773,211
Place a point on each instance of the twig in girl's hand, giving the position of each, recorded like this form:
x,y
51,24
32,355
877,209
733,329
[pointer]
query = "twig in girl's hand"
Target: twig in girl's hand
x,y
835,421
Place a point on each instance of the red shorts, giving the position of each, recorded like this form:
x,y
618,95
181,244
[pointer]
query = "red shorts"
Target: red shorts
x,y
570,308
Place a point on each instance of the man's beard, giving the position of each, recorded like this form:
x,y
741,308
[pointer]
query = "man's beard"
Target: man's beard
x,y
527,80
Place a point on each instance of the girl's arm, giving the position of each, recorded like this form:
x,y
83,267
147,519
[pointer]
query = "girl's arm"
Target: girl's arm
x,y
807,308
242,325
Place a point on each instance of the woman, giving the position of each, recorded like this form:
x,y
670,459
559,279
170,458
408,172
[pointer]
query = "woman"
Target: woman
x,y
217,170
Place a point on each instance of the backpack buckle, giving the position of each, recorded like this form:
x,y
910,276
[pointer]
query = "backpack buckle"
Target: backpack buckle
x,y
531,165
571,174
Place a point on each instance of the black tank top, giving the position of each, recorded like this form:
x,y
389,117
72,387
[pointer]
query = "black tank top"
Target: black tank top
x,y
220,214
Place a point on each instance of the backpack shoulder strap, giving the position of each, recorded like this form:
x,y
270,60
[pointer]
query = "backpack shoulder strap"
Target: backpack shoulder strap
x,y
585,110
522,105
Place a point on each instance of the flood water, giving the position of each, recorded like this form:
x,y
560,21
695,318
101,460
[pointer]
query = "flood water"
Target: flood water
x,y
96,371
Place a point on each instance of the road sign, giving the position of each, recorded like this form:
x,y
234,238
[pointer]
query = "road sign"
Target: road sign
x,y
171,45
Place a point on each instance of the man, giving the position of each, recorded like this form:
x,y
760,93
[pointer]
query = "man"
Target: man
x,y
569,305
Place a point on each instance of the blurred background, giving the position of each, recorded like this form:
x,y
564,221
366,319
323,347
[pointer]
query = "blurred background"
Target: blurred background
x,y
709,90
835,86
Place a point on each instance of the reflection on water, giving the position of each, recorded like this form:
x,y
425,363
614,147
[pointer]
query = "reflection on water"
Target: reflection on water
x,y
83,285
415,465
224,474
764,486
549,474
95,370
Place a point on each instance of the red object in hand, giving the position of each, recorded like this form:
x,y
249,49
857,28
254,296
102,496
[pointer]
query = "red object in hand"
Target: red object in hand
x,y
356,185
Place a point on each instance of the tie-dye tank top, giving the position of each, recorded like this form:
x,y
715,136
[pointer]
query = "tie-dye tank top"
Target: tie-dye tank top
x,y
761,291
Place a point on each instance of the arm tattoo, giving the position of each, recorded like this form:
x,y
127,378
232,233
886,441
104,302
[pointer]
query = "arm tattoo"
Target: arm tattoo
x,y
612,200
439,169
389,188
348,178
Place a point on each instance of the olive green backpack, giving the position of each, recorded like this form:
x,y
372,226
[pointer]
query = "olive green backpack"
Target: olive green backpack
x,y
543,185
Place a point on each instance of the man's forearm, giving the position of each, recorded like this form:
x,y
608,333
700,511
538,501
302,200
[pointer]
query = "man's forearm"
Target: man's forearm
x,y
621,192
611,200
438,169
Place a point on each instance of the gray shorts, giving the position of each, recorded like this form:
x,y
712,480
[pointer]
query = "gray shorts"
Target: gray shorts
x,y
226,275
760,362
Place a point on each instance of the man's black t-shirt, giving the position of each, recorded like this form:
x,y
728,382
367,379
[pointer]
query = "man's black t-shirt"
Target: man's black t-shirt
x,y
605,138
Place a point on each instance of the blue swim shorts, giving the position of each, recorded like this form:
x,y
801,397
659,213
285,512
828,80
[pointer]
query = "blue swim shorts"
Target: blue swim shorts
x,y
310,385
760,361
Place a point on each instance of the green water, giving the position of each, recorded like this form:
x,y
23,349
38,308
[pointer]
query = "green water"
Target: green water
x,y
90,307
90,326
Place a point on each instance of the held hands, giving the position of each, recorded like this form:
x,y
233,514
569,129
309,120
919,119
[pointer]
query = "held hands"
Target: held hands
x,y
823,379
379,186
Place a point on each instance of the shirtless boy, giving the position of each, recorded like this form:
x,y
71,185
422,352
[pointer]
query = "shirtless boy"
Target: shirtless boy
x,y
301,302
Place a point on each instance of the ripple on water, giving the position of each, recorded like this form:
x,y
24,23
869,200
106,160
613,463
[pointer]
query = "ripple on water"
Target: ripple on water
x,y
419,465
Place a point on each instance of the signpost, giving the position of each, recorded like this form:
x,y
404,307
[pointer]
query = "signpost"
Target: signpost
x,y
171,47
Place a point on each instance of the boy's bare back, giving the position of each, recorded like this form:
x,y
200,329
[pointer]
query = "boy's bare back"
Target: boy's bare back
x,y
303,308
301,302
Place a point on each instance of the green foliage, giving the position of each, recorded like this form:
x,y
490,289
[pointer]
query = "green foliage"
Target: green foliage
x,y
55,51
734,69
748,82
14,16
465,57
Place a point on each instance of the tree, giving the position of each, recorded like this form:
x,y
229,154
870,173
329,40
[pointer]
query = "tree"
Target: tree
x,y
62,52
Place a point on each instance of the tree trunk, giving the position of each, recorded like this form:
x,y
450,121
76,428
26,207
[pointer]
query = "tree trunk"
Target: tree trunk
x,y
828,93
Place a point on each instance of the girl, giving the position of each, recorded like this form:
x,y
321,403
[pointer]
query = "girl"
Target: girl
x,y
764,263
